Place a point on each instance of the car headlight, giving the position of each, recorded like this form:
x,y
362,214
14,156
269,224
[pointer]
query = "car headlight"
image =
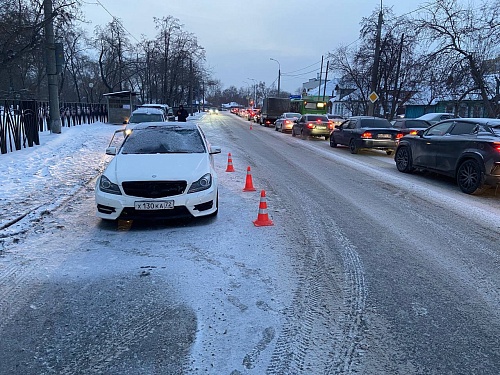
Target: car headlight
x,y
106,186
203,183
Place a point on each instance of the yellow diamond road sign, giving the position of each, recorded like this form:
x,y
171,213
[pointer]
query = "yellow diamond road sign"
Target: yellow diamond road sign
x,y
373,97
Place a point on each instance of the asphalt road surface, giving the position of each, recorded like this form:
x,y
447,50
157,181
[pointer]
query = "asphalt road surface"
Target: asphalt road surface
x,y
365,271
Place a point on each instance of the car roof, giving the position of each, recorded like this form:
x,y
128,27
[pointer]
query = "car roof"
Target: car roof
x,y
149,110
477,120
166,124
433,115
158,106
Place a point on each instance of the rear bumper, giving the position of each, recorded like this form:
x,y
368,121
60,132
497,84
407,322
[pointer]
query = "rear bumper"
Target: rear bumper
x,y
379,144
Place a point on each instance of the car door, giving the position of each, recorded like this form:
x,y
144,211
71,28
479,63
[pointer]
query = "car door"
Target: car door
x,y
426,147
450,147
299,125
346,132
279,122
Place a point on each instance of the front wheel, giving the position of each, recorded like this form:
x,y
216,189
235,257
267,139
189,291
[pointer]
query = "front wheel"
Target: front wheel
x,y
333,142
470,177
293,133
403,160
352,147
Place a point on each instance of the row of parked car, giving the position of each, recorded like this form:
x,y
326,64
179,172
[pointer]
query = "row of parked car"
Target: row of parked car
x,y
466,149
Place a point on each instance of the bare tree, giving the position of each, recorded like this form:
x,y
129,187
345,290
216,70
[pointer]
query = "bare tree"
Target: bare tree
x,y
464,40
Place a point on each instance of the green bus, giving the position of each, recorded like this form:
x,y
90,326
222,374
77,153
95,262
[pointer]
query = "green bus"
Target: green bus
x,y
309,104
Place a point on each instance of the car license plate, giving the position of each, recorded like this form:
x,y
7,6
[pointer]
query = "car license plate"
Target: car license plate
x,y
384,136
321,127
154,205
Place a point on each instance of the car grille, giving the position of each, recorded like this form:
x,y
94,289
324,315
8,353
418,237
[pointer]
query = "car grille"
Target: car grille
x,y
154,189
129,213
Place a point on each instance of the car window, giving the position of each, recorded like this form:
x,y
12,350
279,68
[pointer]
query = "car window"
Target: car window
x,y
163,140
416,124
439,129
144,117
447,116
375,123
463,128
351,124
398,124
316,118
290,115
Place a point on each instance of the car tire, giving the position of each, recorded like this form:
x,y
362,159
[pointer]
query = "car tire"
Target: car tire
x,y
470,177
333,143
293,133
389,152
403,159
352,147
327,137
302,134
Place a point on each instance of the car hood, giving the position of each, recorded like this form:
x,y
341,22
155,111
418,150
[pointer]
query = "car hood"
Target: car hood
x,y
133,167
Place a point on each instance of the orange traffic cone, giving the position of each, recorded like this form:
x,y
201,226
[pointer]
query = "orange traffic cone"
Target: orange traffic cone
x,y
230,167
248,182
262,218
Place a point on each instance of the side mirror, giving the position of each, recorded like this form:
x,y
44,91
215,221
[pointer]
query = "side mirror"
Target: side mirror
x,y
215,150
420,133
125,122
338,126
111,150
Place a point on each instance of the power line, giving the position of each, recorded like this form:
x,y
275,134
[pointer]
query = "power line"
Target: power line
x,y
298,70
115,19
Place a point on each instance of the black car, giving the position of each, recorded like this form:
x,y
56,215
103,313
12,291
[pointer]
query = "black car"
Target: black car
x,y
361,132
467,149
410,125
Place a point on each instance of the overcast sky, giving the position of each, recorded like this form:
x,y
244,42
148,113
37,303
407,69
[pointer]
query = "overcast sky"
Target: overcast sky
x,y
241,37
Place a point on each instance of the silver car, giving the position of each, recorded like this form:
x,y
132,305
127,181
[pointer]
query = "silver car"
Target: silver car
x,y
285,122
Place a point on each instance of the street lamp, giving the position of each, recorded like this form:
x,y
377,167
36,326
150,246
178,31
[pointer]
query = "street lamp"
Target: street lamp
x,y
279,74
254,92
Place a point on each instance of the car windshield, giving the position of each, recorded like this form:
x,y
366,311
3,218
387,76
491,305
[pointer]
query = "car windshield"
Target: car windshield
x,y
417,124
375,123
495,129
145,117
157,140
317,118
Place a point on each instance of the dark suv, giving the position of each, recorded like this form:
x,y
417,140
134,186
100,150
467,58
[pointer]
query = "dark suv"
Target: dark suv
x,y
467,149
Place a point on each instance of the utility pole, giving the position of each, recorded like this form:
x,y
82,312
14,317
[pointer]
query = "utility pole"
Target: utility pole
x,y
50,55
373,87
279,74
191,85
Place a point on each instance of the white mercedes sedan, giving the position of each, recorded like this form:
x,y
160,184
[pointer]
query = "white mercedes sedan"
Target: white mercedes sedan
x,y
161,171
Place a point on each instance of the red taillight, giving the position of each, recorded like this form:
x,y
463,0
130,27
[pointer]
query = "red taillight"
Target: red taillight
x,y
366,135
330,125
413,132
310,126
496,146
400,135
287,122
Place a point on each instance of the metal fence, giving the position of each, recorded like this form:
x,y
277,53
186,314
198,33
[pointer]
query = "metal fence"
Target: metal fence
x,y
22,121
